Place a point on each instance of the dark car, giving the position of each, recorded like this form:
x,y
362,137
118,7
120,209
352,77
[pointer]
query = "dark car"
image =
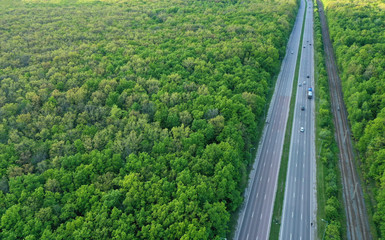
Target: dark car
x,y
303,108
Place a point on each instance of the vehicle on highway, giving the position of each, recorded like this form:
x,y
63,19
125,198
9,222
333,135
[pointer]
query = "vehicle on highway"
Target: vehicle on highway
x,y
303,108
302,129
292,52
300,84
304,82
308,76
310,93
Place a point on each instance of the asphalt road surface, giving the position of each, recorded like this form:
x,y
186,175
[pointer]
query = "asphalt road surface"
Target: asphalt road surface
x,y
255,216
299,209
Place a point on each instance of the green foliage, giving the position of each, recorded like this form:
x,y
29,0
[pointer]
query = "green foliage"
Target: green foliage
x,y
330,204
131,119
333,231
356,29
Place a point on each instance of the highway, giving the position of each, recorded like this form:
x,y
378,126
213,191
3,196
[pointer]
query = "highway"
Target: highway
x,y
255,216
299,208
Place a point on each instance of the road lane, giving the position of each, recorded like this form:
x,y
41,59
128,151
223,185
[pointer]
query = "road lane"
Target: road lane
x,y
255,216
299,208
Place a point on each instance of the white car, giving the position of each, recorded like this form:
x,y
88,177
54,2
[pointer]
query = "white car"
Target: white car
x,y
302,129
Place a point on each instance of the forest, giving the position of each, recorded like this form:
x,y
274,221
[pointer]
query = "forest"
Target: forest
x,y
329,192
357,32
132,119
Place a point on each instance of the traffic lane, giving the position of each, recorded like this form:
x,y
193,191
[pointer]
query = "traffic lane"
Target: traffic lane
x,y
262,231
304,229
303,225
256,212
254,201
273,134
268,137
291,175
298,147
250,212
271,191
307,157
300,214
257,215
305,184
293,155
282,87
271,175
285,77
289,223
291,213
312,171
263,227
311,156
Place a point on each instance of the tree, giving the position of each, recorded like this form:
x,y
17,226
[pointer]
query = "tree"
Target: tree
x,y
132,125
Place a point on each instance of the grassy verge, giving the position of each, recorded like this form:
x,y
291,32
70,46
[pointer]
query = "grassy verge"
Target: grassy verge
x,y
278,204
330,212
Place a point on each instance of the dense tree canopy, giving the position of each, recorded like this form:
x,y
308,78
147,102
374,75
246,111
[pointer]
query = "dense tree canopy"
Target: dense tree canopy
x,y
329,202
357,32
131,120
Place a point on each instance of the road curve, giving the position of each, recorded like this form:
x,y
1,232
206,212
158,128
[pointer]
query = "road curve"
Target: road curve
x,y
299,208
255,216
